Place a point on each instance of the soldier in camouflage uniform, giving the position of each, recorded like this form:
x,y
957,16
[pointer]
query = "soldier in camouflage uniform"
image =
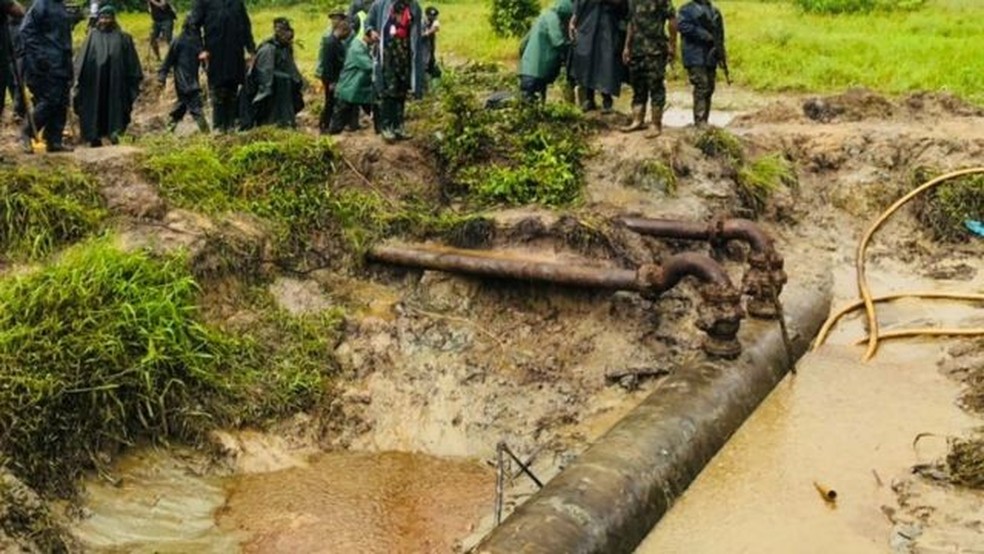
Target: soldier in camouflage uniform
x,y
647,51
702,28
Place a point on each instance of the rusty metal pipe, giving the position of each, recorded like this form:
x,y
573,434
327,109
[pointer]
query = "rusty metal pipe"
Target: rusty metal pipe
x,y
719,315
720,230
463,261
765,278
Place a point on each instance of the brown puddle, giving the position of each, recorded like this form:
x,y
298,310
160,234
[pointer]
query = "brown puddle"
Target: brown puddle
x,y
336,502
389,502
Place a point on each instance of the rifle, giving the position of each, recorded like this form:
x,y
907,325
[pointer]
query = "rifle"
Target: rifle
x,y
718,50
723,62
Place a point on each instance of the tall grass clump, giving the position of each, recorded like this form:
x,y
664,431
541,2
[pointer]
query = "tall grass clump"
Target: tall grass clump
x,y
96,350
44,208
279,175
103,348
524,153
759,180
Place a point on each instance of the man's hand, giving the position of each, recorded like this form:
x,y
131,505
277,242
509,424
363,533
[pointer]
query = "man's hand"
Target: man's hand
x,y
626,55
204,56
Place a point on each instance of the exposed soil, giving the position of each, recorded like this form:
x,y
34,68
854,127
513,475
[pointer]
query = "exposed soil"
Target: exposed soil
x,y
450,366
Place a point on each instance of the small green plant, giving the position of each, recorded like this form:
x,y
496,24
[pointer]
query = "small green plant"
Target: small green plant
x,y
652,175
718,143
43,208
762,178
512,18
944,209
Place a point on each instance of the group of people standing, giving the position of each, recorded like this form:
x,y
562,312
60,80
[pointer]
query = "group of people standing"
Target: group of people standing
x,y
604,43
371,60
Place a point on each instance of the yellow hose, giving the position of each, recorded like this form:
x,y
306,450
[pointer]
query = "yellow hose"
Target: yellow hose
x,y
869,305
832,320
927,332
866,299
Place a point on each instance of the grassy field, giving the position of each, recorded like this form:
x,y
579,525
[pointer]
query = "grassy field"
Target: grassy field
x,y
773,46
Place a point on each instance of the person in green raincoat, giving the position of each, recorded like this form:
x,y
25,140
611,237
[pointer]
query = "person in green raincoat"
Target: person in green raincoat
x,y
544,50
108,82
274,84
354,89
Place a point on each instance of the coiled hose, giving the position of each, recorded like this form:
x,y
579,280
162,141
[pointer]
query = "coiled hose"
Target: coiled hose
x,y
868,301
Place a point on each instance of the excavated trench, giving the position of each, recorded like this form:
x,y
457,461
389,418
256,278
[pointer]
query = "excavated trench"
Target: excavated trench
x,y
441,368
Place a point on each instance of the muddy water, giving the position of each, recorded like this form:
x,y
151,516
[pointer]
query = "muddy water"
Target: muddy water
x,y
339,502
844,425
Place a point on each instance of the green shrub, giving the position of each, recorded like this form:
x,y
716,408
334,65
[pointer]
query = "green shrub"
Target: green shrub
x,y
43,208
520,154
512,18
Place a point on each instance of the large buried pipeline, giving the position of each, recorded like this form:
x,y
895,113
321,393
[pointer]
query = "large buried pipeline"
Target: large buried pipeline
x,y
719,315
610,498
765,277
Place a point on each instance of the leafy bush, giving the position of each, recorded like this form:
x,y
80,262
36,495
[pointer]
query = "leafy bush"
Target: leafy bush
x,y
512,18
856,6
43,208
520,154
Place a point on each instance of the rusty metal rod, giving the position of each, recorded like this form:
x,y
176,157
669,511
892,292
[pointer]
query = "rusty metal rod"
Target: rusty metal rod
x,y
728,229
645,279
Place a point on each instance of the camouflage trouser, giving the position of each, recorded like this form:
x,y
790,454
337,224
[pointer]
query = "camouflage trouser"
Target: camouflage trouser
x,y
397,66
702,78
647,76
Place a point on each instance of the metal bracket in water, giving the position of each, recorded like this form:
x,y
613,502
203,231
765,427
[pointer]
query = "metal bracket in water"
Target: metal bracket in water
x,y
501,451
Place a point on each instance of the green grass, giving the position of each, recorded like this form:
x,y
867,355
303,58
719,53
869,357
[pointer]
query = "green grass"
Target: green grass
x,y
944,209
762,178
102,348
42,208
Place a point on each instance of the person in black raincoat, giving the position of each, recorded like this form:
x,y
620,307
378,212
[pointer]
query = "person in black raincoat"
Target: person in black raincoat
x,y
10,12
227,35
598,33
400,66
46,34
274,84
331,59
183,58
109,77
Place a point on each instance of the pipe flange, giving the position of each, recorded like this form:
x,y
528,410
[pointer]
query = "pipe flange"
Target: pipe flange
x,y
719,316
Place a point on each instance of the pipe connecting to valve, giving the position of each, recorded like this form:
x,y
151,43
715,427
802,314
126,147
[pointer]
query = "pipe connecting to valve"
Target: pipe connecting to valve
x,y
719,315
765,278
